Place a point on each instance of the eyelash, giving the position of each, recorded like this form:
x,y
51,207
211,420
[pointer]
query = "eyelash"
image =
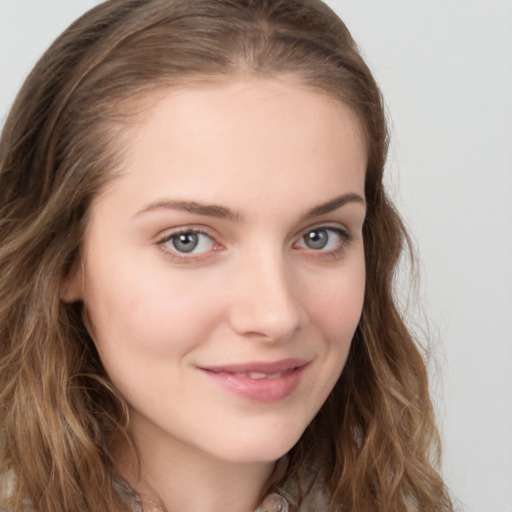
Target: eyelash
x,y
178,257
345,238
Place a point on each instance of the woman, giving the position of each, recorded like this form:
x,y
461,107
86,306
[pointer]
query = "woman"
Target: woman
x,y
197,263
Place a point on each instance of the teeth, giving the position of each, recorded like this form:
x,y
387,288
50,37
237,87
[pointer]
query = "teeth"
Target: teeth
x,y
256,375
259,375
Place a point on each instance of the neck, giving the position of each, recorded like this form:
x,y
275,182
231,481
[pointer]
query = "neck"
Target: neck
x,y
173,477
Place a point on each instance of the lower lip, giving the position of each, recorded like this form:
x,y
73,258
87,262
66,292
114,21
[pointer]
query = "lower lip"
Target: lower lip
x,y
259,390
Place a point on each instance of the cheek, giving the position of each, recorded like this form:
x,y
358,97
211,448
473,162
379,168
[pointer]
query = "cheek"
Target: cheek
x,y
145,331
336,307
137,314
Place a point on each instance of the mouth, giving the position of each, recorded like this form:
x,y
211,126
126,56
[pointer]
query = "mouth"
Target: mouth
x,y
257,375
259,381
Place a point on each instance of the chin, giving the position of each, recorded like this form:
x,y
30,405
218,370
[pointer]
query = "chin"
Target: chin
x,y
260,446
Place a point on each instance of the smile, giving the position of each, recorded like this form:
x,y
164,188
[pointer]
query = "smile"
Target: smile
x,y
259,382
259,375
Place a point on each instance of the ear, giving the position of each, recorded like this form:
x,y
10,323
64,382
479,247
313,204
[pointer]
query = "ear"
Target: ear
x,y
71,288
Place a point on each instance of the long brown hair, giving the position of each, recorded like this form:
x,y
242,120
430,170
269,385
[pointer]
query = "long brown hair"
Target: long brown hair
x,y
375,438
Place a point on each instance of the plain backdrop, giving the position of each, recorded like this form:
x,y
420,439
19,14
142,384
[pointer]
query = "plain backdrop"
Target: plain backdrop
x,y
445,69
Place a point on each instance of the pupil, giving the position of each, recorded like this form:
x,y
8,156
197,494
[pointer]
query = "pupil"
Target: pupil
x,y
186,242
316,239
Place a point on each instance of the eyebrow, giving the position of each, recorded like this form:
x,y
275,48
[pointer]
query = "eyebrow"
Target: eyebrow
x,y
209,210
213,210
334,204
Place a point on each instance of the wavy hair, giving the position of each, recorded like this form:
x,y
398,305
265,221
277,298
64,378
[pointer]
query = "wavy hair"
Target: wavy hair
x,y
374,440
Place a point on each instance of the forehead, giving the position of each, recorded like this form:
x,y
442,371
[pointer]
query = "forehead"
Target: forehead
x,y
233,138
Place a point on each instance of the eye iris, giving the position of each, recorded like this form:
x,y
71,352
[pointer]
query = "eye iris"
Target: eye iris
x,y
185,242
316,239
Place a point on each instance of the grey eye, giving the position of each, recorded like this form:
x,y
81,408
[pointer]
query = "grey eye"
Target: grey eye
x,y
316,239
191,243
185,242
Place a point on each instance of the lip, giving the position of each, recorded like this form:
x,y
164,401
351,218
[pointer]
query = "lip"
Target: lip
x,y
259,381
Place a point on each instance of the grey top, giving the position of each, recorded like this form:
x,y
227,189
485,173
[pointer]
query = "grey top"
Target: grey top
x,y
272,503
282,501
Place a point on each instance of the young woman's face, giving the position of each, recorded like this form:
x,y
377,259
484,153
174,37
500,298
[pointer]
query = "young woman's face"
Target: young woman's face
x,y
223,270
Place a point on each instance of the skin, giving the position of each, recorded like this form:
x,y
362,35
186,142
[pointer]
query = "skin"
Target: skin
x,y
253,290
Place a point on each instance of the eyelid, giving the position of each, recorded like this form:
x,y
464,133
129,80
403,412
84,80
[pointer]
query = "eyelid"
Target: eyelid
x,y
192,257
334,226
185,228
345,234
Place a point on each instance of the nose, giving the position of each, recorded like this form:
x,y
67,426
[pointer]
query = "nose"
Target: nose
x,y
266,301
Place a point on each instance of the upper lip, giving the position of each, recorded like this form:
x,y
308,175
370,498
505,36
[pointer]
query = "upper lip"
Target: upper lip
x,y
259,366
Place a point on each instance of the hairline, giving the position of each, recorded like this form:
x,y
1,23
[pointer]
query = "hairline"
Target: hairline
x,y
130,111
